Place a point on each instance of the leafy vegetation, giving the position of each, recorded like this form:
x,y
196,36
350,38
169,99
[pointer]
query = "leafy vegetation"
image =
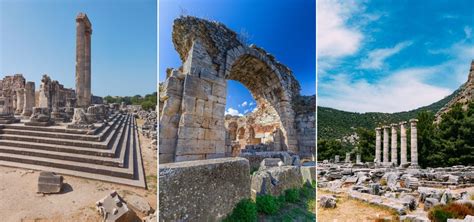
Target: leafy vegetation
x,y
449,143
442,213
267,204
147,102
292,205
244,211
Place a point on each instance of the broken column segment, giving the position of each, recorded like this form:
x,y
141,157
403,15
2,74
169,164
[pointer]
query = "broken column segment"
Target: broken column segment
x,y
49,182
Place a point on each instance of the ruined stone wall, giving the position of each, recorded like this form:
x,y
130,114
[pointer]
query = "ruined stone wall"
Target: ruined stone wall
x,y
192,117
306,125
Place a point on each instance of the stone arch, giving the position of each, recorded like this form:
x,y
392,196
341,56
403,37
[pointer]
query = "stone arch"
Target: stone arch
x,y
258,73
192,121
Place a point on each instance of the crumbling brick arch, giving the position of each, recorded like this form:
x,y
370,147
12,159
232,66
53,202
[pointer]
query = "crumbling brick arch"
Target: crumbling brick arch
x,y
194,95
258,73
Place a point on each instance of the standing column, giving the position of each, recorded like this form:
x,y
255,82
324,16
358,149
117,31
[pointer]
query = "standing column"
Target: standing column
x,y
378,145
414,143
348,158
19,101
394,156
87,68
83,68
29,97
385,145
403,143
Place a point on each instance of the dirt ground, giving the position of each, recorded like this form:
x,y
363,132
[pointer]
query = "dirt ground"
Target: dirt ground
x,y
20,202
349,210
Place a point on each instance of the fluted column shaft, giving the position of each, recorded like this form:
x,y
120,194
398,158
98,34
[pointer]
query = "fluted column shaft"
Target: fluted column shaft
x,y
385,145
414,142
403,144
378,145
394,156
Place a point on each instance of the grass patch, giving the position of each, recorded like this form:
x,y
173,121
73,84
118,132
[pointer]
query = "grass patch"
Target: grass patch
x,y
442,213
244,211
268,204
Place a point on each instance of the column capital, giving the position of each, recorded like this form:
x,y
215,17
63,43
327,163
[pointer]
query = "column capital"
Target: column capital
x,y
393,125
413,120
402,123
378,129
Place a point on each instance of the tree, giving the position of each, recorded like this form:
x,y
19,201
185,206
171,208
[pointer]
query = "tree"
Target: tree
x,y
366,144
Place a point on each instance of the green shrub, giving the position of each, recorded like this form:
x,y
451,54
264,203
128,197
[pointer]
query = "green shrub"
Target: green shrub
x,y
244,211
441,213
267,204
292,195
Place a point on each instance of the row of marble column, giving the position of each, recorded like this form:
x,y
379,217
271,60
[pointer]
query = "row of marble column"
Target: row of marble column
x,y
394,144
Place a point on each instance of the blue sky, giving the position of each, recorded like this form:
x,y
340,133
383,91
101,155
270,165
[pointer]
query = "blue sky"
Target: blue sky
x,y
285,28
38,36
391,56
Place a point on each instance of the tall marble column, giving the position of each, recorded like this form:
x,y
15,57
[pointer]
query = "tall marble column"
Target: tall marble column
x,y
378,145
403,143
394,156
19,101
414,143
29,97
83,58
385,145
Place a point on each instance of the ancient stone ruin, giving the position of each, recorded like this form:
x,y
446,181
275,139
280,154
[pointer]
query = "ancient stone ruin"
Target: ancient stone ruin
x,y
193,98
403,187
394,145
206,158
69,131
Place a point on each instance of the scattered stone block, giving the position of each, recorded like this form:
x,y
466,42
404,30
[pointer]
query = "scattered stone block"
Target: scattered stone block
x,y
270,162
275,180
429,203
326,201
49,182
139,204
112,208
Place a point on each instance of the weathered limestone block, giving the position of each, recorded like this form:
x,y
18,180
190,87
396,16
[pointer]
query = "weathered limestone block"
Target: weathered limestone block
x,y
326,201
270,162
49,182
80,120
41,117
185,195
308,173
430,202
276,180
139,204
112,208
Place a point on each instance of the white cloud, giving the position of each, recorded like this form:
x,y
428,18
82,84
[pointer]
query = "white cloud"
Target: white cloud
x,y
233,112
376,58
335,38
251,103
468,32
400,90
246,111
244,104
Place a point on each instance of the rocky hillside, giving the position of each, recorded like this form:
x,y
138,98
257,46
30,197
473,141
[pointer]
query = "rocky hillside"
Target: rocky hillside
x,y
464,95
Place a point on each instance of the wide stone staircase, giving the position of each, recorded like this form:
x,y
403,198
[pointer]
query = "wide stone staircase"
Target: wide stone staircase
x,y
111,152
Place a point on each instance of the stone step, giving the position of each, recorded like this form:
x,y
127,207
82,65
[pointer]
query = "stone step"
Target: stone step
x,y
70,165
78,143
28,131
55,129
68,149
76,157
117,157
126,169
